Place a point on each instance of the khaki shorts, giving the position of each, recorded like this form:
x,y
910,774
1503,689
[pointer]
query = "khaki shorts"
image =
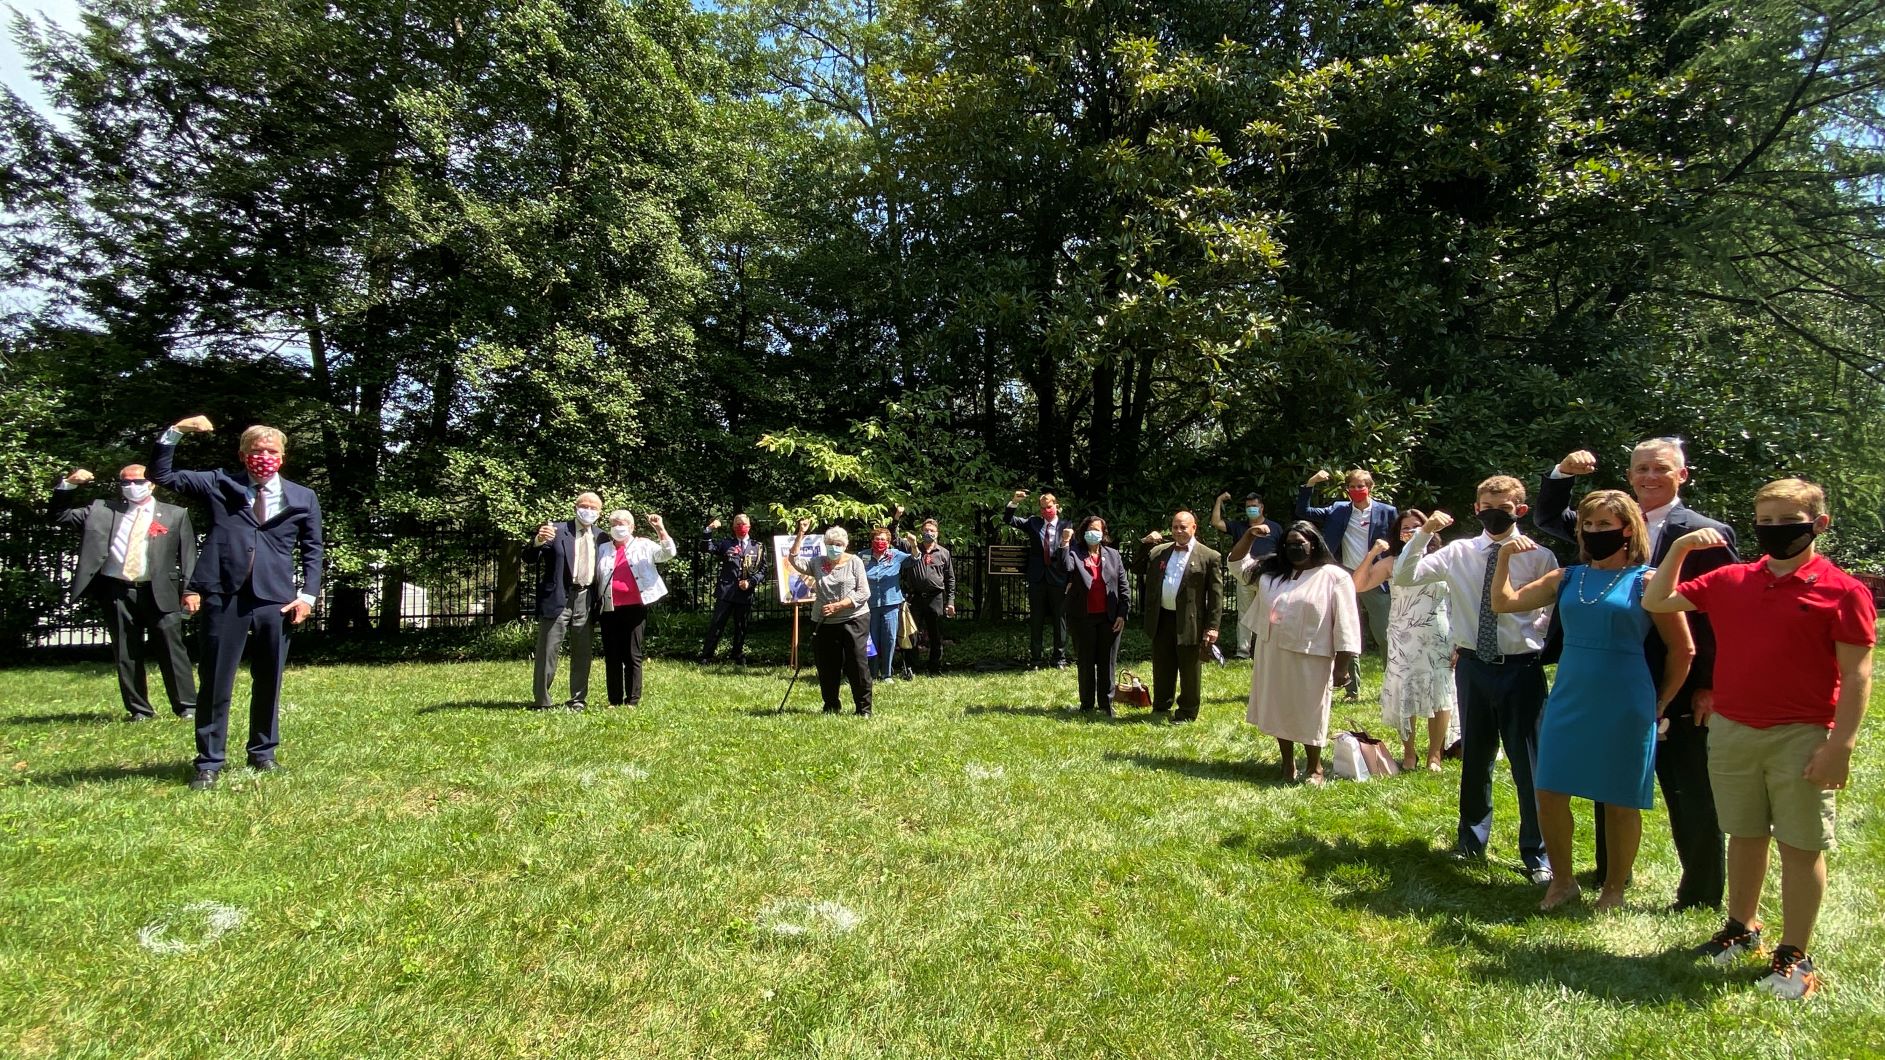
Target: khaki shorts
x,y
1760,783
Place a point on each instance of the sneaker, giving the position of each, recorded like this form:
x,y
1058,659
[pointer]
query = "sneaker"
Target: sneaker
x,y
1734,941
1790,976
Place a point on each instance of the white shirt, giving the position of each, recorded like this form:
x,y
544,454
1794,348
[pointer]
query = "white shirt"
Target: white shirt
x,y
1461,566
1355,537
1653,520
1175,562
121,535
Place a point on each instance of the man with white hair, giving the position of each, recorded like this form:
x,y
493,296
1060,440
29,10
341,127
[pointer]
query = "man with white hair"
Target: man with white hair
x,y
246,576
566,579
1658,470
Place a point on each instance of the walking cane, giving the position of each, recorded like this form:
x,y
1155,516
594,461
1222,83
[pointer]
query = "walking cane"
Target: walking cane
x,y
797,663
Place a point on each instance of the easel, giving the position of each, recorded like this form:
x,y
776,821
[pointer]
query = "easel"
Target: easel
x,y
796,604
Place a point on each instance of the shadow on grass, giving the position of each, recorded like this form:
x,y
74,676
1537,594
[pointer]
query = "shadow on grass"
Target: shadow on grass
x,y
1127,716
173,770
474,704
1412,878
1242,770
63,717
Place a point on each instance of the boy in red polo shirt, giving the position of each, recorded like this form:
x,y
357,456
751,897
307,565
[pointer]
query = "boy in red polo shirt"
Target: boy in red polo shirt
x,y
1794,637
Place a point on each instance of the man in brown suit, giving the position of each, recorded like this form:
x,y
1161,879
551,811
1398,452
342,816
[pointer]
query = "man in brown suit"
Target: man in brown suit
x,y
1184,600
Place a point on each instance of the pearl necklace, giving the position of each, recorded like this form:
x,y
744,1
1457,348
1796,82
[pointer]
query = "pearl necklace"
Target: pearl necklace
x,y
1614,579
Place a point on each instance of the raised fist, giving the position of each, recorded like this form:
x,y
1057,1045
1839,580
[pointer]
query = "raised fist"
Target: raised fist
x,y
655,522
805,527
545,533
1019,496
1437,522
715,525
1319,478
1582,462
79,476
194,425
1519,543
1224,496
1152,538
1703,538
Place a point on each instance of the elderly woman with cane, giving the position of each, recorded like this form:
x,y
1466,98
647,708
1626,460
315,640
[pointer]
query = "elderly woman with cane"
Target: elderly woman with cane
x,y
840,617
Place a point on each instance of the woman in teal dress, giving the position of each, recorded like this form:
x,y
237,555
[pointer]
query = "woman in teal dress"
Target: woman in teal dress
x,y
1597,739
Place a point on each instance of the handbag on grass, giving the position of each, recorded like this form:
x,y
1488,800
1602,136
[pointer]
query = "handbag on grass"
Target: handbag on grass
x,y
1129,691
1359,756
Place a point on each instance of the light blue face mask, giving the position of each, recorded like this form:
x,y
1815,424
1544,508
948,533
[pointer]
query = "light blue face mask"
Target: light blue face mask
x,y
1094,537
834,551
1254,513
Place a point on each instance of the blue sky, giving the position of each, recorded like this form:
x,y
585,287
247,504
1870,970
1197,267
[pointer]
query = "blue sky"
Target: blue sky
x,y
12,70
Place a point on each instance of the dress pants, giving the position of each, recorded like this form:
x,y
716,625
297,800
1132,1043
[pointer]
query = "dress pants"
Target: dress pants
x,y
572,623
838,653
233,623
1175,664
929,619
1096,655
1682,773
735,606
622,630
1047,603
132,616
1499,702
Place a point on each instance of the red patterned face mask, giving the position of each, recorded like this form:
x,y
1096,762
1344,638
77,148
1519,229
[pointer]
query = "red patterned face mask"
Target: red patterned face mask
x,y
262,465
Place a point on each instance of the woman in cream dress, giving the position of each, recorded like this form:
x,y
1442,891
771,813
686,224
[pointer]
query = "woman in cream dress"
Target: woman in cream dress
x,y
1308,633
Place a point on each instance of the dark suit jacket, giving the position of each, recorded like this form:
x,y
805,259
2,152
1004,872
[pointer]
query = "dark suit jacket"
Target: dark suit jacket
x,y
1072,562
1039,556
170,556
237,551
1382,520
558,555
750,564
1556,517
1200,594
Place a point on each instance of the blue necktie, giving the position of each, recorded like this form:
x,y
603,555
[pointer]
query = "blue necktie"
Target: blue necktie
x,y
1487,643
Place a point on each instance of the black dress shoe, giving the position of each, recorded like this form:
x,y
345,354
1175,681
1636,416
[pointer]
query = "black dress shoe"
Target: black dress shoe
x,y
133,719
187,713
833,710
204,780
263,765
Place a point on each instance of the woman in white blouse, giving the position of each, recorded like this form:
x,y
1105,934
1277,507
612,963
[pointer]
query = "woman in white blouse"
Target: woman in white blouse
x,y
1308,634
626,583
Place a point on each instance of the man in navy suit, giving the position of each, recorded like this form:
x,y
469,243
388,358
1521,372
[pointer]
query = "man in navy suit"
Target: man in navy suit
x,y
566,600
1047,580
1658,470
1350,527
742,572
245,574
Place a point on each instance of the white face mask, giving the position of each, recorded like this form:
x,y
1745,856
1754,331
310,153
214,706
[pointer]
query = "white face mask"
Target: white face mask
x,y
136,494
621,532
587,516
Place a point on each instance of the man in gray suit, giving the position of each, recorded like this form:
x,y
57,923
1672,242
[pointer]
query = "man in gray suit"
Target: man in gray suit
x,y
135,557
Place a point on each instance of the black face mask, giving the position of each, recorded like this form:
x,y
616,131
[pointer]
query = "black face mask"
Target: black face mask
x,y
1603,544
1784,540
1496,520
1295,551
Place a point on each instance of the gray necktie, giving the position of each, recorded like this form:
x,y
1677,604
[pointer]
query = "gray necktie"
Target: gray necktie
x,y
1486,645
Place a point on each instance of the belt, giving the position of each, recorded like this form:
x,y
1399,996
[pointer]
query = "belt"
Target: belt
x,y
1512,659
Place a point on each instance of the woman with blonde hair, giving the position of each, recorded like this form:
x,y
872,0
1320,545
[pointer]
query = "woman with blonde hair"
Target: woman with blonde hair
x,y
1597,739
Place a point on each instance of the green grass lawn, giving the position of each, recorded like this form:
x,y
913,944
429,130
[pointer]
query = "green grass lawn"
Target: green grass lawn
x,y
975,871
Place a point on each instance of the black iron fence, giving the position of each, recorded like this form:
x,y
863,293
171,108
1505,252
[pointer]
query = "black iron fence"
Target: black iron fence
x,y
433,578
